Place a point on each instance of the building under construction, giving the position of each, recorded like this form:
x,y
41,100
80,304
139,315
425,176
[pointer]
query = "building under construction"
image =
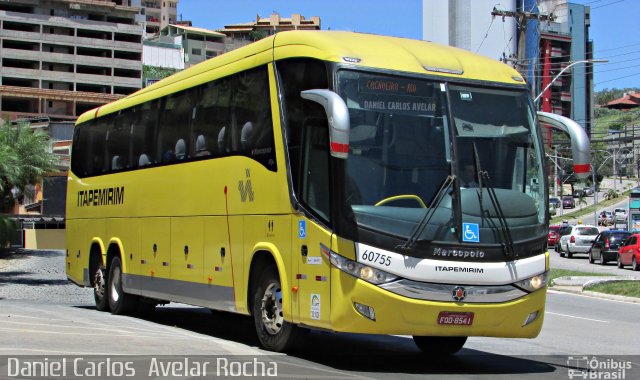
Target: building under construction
x,y
60,58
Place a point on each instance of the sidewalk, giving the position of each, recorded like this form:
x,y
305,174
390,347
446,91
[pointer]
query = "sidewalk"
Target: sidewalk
x,y
577,284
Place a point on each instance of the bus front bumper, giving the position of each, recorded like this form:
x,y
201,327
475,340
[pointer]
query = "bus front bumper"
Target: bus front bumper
x,y
399,315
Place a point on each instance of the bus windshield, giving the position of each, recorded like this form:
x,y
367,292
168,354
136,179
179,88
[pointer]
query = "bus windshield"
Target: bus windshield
x,y
408,135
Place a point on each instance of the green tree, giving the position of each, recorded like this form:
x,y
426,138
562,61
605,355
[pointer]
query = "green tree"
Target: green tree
x,y
24,156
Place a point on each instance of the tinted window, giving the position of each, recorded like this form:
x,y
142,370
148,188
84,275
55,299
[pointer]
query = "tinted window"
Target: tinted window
x,y
210,117
118,138
229,116
617,237
307,133
173,128
587,231
143,134
89,145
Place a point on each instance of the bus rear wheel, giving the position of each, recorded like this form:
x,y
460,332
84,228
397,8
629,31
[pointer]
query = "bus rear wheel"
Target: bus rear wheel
x,y
100,288
119,301
274,333
440,345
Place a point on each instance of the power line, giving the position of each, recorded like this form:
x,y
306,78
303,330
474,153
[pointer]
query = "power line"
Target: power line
x,y
615,79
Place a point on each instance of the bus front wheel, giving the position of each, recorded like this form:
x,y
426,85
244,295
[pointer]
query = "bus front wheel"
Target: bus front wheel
x,y
440,345
119,301
274,333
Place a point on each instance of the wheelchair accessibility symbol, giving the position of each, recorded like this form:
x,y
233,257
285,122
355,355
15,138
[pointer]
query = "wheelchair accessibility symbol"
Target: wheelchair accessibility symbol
x,y
471,232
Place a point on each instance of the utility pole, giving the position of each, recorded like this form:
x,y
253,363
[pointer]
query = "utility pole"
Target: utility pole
x,y
522,18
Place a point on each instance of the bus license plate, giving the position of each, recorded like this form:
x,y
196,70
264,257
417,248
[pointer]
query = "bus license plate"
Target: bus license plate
x,y
455,318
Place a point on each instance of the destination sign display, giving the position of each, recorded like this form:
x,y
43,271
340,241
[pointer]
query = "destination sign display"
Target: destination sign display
x,y
397,95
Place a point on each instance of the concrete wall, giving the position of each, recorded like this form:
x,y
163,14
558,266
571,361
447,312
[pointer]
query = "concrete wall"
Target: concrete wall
x,y
45,239
170,57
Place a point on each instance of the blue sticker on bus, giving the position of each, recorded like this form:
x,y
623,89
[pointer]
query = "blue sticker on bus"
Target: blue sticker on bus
x,y
471,232
302,229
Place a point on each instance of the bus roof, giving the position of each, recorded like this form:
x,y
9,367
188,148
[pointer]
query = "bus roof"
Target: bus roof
x,y
356,49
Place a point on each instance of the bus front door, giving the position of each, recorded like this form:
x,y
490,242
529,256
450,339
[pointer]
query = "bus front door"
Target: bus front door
x,y
311,273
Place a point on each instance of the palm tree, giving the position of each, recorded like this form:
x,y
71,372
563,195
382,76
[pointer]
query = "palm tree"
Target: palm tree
x,y
611,194
24,157
581,200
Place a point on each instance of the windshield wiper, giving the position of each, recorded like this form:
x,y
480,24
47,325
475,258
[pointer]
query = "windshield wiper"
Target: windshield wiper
x,y
424,221
507,245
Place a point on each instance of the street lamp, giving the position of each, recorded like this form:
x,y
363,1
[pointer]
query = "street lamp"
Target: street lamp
x,y
567,68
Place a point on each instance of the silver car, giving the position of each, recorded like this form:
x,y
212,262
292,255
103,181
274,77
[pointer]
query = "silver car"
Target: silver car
x,y
620,214
577,239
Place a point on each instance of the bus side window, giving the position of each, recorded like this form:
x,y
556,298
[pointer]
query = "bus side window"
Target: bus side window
x,y
251,126
143,133
174,125
209,116
307,133
118,133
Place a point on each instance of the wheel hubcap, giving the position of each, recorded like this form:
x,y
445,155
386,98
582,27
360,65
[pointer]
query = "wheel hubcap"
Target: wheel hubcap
x,y
98,282
115,284
271,309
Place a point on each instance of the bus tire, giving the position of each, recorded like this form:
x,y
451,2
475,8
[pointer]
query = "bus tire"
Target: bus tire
x,y
440,345
100,288
274,333
119,301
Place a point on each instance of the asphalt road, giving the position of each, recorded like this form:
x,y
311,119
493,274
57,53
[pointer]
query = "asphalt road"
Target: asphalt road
x,y
42,314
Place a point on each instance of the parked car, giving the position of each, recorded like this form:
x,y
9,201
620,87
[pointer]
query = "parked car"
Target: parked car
x,y
629,252
605,219
620,215
605,246
568,202
577,239
588,190
577,193
552,209
564,228
553,236
556,202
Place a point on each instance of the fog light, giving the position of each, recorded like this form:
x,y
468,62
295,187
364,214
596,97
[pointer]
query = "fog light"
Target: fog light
x,y
530,318
365,310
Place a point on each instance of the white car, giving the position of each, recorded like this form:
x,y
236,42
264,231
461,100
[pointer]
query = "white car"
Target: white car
x,y
620,214
577,239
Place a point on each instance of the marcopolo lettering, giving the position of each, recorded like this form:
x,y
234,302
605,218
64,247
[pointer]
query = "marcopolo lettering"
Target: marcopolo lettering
x,y
101,197
464,253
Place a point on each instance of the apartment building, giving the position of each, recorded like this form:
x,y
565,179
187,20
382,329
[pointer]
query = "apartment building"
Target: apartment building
x,y
562,42
60,58
196,44
266,26
159,14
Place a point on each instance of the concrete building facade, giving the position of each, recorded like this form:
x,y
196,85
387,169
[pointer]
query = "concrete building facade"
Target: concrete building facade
x,y
469,25
59,58
561,42
195,44
159,14
262,27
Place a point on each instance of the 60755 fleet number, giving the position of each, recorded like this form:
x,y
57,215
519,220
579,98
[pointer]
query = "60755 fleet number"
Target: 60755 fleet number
x,y
375,257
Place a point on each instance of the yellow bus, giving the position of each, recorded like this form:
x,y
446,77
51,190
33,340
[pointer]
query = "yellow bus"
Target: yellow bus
x,y
320,180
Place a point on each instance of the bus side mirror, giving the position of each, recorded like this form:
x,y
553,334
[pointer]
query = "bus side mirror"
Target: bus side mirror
x,y
338,117
579,141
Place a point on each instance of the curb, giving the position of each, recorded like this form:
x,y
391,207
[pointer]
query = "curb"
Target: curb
x,y
613,297
578,288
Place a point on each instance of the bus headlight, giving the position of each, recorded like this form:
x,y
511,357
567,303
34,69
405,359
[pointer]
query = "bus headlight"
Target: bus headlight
x,y
364,272
534,283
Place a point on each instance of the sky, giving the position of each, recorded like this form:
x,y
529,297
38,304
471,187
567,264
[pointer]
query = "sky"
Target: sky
x,y
612,25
